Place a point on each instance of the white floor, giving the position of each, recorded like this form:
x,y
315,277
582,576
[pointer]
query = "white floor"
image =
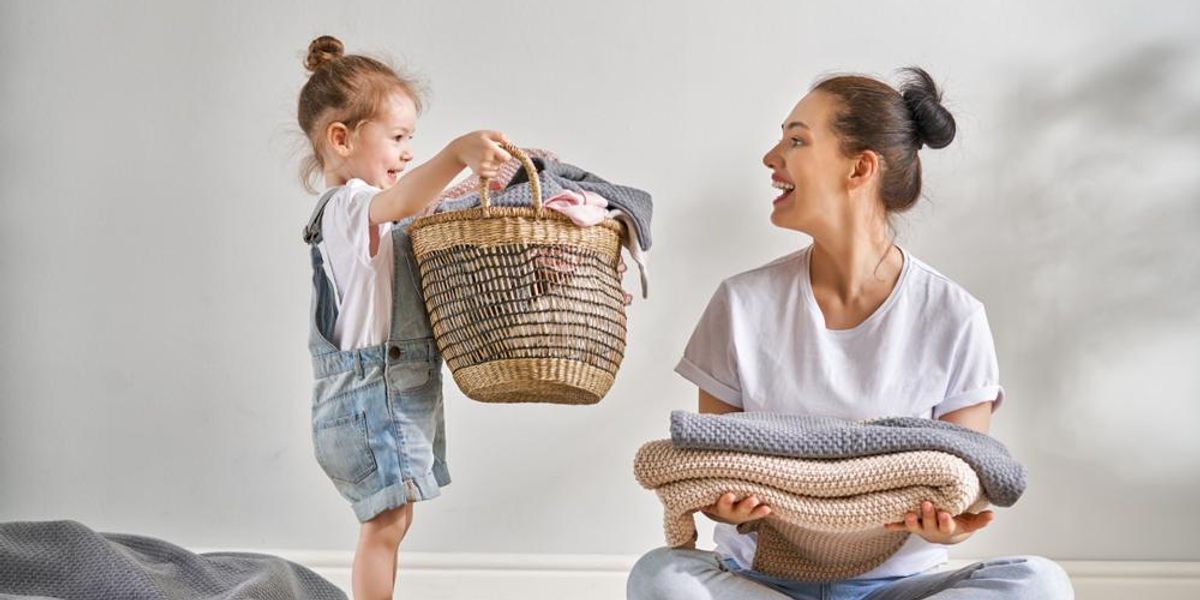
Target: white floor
x,y
590,577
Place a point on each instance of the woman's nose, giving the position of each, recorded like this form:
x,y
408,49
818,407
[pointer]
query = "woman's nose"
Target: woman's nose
x,y
768,159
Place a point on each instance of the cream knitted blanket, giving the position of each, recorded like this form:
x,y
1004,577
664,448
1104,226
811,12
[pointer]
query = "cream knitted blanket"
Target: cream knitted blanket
x,y
827,516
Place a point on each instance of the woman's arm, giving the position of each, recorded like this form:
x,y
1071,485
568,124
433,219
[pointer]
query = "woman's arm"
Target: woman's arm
x,y
977,417
939,526
729,508
709,404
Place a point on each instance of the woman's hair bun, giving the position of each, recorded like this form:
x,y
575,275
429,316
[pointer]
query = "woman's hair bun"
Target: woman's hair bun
x,y
934,124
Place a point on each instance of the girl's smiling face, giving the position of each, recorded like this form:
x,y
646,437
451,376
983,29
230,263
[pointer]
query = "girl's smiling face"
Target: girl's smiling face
x,y
378,149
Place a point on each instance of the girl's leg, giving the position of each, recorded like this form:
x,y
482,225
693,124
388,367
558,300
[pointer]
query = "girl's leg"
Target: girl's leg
x,y
676,573
373,576
1024,577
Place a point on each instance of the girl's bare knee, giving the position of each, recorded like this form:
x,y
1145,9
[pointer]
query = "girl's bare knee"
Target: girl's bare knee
x,y
389,526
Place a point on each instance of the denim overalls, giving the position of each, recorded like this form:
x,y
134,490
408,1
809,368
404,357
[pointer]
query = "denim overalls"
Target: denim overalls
x,y
378,429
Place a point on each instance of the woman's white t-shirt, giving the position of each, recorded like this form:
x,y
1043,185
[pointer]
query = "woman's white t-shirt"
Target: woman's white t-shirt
x,y
762,345
363,282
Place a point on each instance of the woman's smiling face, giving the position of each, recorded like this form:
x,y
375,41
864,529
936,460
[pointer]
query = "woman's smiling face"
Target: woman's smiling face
x,y
808,166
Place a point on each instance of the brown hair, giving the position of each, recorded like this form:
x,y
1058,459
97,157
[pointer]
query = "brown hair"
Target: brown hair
x,y
342,88
894,124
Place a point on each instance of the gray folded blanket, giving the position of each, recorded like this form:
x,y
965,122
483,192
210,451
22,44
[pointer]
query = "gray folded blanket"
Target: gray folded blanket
x,y
797,436
66,559
558,176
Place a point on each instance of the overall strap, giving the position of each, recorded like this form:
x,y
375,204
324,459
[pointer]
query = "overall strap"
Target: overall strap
x,y
312,232
326,301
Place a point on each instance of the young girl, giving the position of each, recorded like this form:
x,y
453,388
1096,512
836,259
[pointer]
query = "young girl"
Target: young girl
x,y
378,431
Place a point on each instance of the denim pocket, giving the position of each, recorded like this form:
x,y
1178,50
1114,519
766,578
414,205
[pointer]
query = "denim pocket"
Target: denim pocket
x,y
412,377
342,448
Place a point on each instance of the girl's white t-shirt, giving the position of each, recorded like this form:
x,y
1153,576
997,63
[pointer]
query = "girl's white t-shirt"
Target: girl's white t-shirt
x,y
762,345
363,282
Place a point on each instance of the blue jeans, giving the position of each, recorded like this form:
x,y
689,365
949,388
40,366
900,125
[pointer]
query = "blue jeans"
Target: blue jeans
x,y
378,423
678,574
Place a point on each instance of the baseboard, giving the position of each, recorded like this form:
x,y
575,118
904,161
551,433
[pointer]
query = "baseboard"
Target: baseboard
x,y
437,576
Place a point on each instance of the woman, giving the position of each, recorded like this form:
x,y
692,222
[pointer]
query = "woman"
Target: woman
x,y
855,327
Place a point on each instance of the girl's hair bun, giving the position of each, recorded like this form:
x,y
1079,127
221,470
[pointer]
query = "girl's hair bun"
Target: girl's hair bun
x,y
323,50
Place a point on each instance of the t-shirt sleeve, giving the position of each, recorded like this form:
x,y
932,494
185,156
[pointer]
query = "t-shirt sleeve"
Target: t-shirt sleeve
x,y
974,372
710,358
347,219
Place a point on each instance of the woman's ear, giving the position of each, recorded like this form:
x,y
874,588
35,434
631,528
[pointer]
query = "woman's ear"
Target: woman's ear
x,y
337,136
864,169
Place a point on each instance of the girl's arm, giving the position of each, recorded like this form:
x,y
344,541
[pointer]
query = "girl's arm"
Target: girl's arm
x,y
479,150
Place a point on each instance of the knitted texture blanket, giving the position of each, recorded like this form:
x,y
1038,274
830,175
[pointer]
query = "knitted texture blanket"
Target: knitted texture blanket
x,y
557,176
797,436
66,559
507,171
827,516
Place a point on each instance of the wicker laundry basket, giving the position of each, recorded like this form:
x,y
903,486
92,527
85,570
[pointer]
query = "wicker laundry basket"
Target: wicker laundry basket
x,y
526,306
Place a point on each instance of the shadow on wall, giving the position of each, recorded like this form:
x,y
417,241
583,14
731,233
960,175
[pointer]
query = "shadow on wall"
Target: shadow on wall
x,y
1093,220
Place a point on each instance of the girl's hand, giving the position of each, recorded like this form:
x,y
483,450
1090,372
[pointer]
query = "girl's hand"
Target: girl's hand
x,y
481,151
942,528
726,510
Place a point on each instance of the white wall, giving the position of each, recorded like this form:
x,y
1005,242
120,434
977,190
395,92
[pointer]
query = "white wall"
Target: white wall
x,y
153,371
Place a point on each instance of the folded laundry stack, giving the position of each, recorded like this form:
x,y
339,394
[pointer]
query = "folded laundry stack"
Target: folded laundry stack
x,y
831,484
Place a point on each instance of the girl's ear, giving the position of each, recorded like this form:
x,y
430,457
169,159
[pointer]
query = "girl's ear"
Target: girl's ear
x,y
337,135
864,169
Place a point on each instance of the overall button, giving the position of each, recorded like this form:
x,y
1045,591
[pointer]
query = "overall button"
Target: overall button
x,y
394,352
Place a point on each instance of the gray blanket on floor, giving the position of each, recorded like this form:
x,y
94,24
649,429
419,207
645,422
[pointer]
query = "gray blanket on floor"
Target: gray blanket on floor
x,y
797,436
65,559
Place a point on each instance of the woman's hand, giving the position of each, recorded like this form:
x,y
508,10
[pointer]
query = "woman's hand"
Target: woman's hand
x,y
942,528
728,509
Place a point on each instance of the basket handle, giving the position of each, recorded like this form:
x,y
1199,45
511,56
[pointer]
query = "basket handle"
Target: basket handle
x,y
535,185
